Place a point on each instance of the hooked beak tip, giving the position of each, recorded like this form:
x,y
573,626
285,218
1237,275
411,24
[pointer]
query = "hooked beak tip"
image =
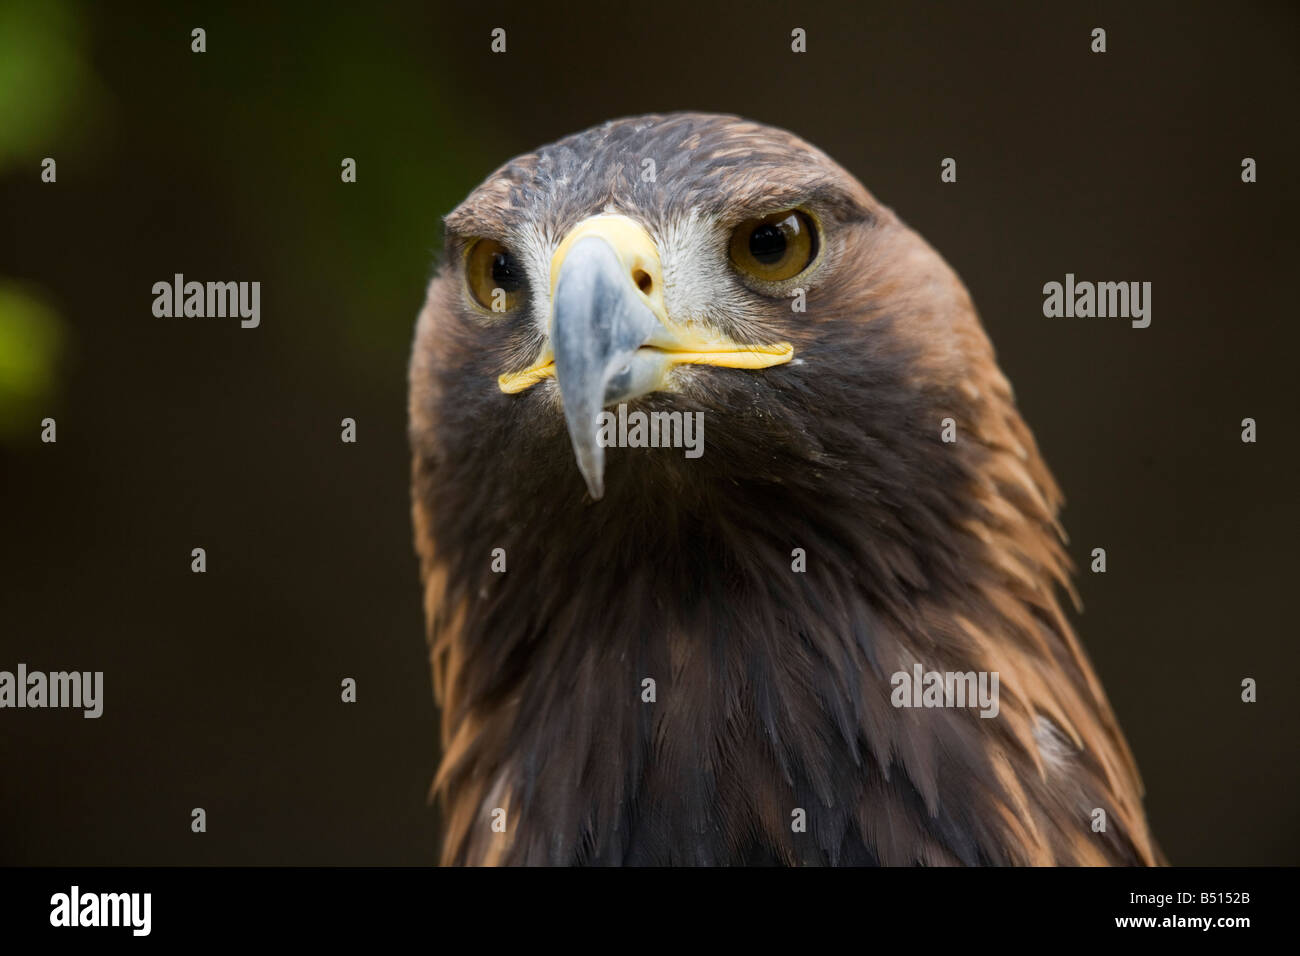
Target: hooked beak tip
x,y
591,463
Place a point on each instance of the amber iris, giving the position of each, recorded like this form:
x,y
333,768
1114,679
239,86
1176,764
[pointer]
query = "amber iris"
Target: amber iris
x,y
775,247
494,276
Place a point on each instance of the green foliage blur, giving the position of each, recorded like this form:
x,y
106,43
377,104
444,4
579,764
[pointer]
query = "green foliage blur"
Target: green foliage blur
x,y
43,80
246,139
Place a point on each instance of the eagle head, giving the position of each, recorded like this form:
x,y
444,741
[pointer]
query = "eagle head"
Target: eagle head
x,y
653,646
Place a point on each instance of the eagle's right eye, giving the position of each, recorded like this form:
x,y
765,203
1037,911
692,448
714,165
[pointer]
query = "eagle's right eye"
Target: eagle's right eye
x,y
494,276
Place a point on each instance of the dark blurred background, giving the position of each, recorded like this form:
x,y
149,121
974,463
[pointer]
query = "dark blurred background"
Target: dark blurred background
x,y
222,689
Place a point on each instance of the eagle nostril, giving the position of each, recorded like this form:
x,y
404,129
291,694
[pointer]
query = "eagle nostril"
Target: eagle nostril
x,y
643,281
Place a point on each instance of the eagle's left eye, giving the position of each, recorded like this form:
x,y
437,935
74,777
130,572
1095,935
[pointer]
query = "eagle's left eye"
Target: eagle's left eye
x,y
775,247
495,277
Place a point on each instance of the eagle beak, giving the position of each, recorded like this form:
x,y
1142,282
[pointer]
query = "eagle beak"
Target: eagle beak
x,y
611,338
601,321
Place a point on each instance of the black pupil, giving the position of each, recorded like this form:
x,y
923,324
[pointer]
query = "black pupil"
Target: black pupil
x,y
506,273
767,243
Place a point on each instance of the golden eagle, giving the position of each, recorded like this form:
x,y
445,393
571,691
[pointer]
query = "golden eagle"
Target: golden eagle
x,y
648,656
